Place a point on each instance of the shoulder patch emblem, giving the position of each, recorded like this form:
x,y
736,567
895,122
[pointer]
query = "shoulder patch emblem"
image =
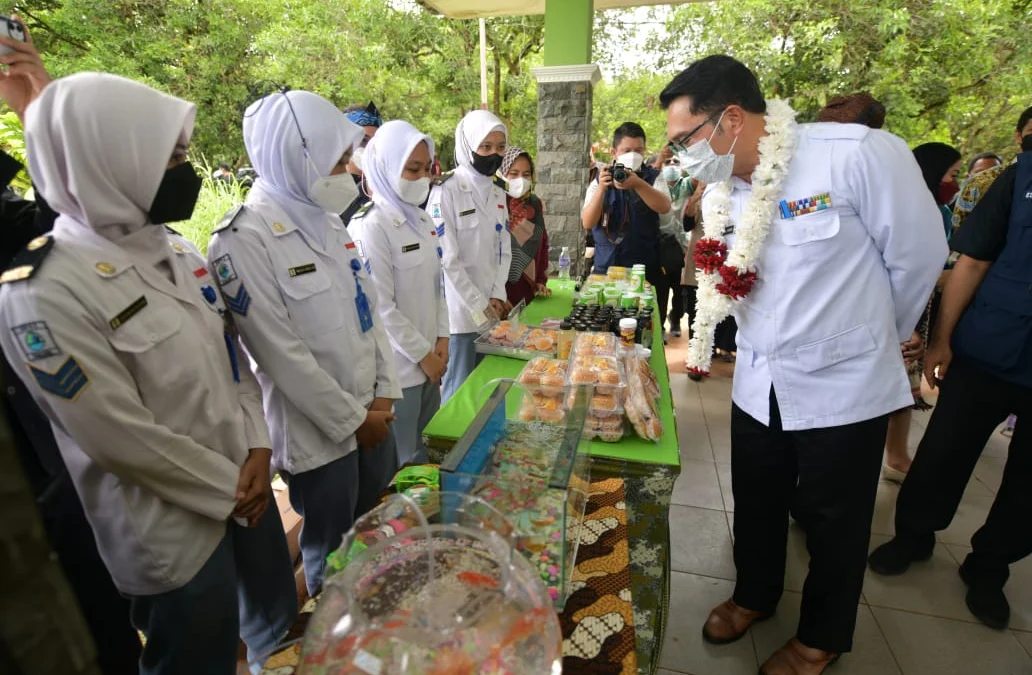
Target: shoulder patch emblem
x,y
224,270
228,219
443,178
365,208
36,340
500,182
240,302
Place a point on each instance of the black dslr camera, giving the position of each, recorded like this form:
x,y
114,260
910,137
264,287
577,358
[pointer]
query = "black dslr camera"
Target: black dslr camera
x,y
619,172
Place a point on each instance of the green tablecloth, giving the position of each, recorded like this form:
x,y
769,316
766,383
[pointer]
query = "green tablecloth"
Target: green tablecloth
x,y
457,414
648,470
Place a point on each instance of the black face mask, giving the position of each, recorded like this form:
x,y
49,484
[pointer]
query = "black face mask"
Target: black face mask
x,y
487,165
177,195
1026,143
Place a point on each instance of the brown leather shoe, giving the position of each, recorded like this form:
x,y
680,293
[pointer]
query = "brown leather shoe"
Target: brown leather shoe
x,y
795,658
728,622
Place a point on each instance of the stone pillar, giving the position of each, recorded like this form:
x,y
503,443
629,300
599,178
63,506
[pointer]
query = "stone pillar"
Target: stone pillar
x,y
563,144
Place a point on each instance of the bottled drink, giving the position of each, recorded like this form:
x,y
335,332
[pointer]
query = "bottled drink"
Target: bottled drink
x,y
564,263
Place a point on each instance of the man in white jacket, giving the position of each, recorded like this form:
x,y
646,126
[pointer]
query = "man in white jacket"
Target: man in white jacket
x,y
842,278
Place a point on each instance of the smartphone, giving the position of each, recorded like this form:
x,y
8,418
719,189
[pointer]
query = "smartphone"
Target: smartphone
x,y
12,29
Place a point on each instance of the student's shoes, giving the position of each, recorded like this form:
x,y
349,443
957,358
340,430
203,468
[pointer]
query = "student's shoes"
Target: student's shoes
x,y
729,622
987,602
795,658
895,556
675,328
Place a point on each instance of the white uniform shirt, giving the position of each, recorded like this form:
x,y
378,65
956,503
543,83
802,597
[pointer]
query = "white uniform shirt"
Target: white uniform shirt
x,y
294,303
476,245
405,267
136,377
838,289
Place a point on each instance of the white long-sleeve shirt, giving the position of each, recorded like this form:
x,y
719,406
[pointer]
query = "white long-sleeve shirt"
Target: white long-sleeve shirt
x,y
406,270
294,302
135,374
476,246
839,289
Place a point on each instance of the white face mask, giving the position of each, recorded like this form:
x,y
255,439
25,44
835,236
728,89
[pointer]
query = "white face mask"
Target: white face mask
x,y
632,160
705,165
414,192
518,187
334,193
356,157
671,173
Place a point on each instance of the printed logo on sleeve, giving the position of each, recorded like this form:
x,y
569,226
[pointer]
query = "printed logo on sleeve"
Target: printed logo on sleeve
x,y
224,270
36,340
435,210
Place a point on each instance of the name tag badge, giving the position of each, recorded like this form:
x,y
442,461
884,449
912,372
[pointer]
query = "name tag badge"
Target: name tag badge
x,y
365,314
801,207
729,229
128,313
410,248
467,212
301,269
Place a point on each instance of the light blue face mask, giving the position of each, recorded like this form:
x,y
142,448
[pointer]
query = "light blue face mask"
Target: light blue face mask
x,y
671,172
705,165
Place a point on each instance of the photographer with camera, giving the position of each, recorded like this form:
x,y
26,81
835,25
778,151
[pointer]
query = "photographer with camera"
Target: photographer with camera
x,y
623,206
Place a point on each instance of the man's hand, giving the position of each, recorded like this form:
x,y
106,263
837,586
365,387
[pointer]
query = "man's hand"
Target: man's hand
x,y
633,182
25,76
605,178
434,367
374,430
441,349
543,291
254,488
498,306
913,349
381,404
937,362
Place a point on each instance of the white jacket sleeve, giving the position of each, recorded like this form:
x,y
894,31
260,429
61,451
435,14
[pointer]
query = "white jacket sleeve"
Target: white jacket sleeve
x,y
502,272
250,393
468,295
900,214
105,414
400,331
272,342
443,325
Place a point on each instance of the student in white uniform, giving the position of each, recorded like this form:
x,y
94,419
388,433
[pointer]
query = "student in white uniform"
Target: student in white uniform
x,y
843,277
306,312
468,206
116,328
399,243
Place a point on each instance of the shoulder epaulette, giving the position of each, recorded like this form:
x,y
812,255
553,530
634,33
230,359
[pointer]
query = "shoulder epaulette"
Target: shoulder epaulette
x,y
228,219
28,260
171,231
500,182
443,178
365,208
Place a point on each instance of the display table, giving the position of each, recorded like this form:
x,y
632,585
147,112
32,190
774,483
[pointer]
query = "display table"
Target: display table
x,y
648,470
598,620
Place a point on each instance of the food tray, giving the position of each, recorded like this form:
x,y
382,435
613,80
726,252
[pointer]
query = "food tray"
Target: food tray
x,y
595,344
605,373
522,342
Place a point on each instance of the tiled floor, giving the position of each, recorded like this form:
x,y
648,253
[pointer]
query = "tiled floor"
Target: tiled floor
x,y
916,624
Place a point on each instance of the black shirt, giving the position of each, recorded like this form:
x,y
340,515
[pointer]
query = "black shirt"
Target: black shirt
x,y
984,232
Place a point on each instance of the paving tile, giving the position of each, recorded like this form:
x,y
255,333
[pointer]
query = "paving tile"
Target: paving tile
x,y
692,434
1025,639
932,587
691,598
870,655
998,444
989,470
923,645
724,475
971,514
697,485
700,542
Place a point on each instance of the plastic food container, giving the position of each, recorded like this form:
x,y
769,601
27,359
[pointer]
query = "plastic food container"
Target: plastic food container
x,y
595,344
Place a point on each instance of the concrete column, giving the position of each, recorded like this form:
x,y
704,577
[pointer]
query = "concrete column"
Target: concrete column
x,y
563,143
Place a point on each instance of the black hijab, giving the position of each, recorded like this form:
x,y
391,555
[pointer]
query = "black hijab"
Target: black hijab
x,y
935,159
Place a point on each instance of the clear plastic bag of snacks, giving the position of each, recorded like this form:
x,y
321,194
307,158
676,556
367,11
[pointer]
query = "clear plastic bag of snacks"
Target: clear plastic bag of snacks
x,y
605,373
595,344
544,375
446,594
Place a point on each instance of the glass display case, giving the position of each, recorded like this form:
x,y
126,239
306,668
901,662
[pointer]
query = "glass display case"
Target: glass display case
x,y
534,472
432,586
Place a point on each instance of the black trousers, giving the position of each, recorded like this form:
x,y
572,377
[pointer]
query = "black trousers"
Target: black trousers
x,y
667,284
971,405
831,475
688,298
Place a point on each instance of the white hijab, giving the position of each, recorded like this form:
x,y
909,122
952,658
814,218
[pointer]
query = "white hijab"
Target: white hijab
x,y
384,160
285,175
98,147
469,134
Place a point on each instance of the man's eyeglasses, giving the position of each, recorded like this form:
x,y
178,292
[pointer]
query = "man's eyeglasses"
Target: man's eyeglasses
x,y
681,143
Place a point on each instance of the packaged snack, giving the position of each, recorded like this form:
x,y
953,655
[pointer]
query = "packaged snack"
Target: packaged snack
x,y
505,334
598,344
604,372
540,340
641,409
544,376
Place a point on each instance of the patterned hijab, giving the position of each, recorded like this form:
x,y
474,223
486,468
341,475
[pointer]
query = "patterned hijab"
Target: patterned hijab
x,y
526,228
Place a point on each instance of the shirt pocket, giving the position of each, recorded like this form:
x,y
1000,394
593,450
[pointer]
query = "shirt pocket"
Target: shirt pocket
x,y
467,214
832,350
149,345
312,305
810,228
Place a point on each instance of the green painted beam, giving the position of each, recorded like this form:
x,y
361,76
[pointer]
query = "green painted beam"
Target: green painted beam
x,y
568,26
